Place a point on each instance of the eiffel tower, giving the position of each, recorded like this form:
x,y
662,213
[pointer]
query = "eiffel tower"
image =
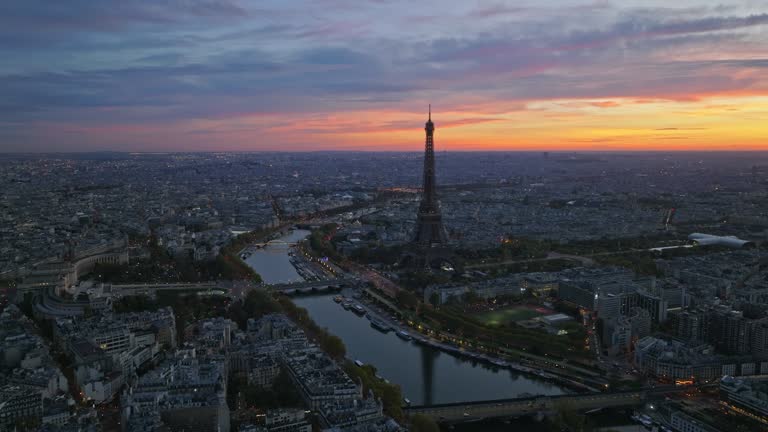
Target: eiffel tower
x,y
429,223
429,247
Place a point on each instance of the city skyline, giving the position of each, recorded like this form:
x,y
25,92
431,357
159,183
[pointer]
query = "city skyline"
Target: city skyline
x,y
220,75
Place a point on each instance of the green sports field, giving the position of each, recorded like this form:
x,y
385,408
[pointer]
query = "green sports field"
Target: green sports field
x,y
503,317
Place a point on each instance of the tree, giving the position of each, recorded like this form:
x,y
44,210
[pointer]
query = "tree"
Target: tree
x,y
471,297
27,303
434,299
557,204
237,314
27,423
567,418
407,299
259,303
134,303
333,346
422,423
390,394
282,394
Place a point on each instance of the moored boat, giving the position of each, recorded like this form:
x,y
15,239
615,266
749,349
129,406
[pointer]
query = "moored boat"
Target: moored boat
x,y
358,309
378,325
402,334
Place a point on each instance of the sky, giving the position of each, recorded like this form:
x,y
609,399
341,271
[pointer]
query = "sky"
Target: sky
x,y
294,75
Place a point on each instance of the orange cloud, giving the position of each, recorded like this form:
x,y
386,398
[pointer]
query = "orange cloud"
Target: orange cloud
x,y
605,104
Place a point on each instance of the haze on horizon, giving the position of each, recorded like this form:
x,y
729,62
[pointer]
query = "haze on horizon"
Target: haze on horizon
x,y
235,75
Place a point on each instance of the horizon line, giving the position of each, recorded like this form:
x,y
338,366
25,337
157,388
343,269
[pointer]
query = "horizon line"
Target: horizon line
x,y
160,152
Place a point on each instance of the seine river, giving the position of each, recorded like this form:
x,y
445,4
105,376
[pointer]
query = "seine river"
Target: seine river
x,y
272,262
426,376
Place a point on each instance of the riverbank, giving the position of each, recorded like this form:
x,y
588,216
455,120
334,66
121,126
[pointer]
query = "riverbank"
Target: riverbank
x,y
426,374
385,322
586,376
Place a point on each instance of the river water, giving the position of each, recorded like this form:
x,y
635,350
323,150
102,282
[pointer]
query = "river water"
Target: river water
x,y
426,375
272,262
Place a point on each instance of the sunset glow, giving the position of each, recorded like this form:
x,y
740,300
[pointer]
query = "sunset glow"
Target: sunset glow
x,y
340,75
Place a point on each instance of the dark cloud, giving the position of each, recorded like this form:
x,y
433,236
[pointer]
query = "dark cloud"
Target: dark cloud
x,y
496,11
334,56
109,15
78,25
243,81
652,27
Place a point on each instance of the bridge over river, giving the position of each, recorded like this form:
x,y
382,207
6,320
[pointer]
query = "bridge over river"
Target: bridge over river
x,y
310,286
275,242
471,411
